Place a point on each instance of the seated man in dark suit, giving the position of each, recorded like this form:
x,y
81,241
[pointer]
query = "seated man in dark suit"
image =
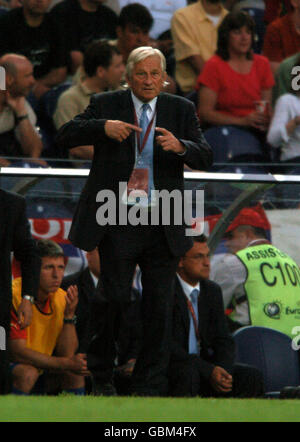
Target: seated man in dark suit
x,y
202,357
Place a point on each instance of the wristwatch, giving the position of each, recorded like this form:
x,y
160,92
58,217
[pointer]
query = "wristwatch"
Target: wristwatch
x,y
21,118
29,298
71,320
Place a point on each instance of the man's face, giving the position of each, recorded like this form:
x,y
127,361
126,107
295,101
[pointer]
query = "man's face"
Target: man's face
x,y
52,273
147,78
22,82
36,7
237,240
195,265
115,71
132,37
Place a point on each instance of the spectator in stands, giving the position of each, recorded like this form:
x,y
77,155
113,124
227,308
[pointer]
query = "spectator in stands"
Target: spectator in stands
x,y
31,31
284,77
194,32
5,6
52,328
234,79
275,9
161,11
202,352
282,37
134,24
19,136
83,21
15,238
284,130
104,69
256,9
260,283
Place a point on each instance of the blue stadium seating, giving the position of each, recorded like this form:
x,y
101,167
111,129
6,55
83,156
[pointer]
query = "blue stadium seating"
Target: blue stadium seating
x,y
231,144
270,351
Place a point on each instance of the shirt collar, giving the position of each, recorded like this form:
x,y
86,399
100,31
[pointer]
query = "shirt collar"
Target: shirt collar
x,y
85,89
187,288
94,278
138,103
203,16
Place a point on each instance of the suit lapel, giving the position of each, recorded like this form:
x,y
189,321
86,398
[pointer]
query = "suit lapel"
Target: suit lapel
x,y
127,115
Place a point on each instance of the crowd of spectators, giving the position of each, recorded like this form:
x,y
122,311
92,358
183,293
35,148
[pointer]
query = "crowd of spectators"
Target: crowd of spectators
x,y
56,56
234,69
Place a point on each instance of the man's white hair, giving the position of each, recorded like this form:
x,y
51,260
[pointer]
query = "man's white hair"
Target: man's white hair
x,y
139,54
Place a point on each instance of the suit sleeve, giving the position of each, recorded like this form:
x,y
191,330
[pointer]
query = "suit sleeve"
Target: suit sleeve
x,y
222,342
199,155
24,249
86,128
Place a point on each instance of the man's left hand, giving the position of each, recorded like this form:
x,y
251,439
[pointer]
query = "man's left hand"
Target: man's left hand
x,y
24,313
221,380
168,141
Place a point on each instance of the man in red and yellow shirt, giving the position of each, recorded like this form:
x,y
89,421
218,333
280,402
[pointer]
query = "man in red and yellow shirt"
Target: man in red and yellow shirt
x,y
52,328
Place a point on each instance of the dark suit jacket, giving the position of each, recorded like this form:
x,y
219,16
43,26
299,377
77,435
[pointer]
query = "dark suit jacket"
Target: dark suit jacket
x,y
113,162
86,294
93,316
15,237
217,346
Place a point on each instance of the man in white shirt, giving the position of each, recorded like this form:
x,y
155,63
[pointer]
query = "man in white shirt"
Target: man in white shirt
x,y
19,135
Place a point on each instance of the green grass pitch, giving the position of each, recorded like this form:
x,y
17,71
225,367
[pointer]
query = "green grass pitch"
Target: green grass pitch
x,y
68,408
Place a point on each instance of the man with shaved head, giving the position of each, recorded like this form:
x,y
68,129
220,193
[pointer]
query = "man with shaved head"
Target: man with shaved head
x,y
18,133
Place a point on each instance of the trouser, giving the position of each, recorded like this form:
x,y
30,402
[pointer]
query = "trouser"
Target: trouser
x,y
122,248
186,381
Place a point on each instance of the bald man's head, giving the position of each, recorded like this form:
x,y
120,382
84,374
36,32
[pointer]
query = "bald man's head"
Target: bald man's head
x,y
19,74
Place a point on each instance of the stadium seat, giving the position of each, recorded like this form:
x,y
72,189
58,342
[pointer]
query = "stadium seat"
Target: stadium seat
x,y
45,111
3,10
233,145
193,97
270,351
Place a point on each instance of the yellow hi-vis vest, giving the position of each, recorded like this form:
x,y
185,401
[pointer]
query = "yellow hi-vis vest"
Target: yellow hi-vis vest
x,y
272,288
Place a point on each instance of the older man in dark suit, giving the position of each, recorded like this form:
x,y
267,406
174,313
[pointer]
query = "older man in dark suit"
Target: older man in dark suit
x,y
121,125
202,357
15,237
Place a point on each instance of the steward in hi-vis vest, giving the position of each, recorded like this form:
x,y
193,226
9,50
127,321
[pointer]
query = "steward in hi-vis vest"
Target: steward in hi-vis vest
x,y
272,288
260,283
